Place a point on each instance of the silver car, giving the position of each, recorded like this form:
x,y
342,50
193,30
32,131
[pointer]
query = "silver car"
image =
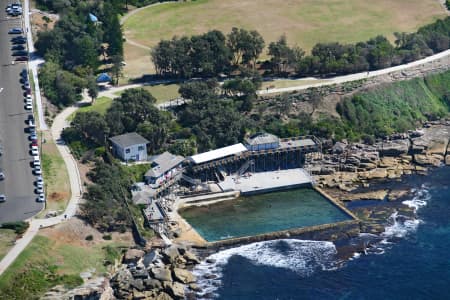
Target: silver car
x,y
2,198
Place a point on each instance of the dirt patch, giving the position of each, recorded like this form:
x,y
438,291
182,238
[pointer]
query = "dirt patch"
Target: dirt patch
x,y
75,231
42,21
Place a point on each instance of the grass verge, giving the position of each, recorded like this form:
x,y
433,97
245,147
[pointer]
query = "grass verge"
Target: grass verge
x,y
100,105
56,178
7,239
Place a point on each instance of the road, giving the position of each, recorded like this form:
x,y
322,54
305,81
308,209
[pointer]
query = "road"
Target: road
x,y
18,185
76,191
33,65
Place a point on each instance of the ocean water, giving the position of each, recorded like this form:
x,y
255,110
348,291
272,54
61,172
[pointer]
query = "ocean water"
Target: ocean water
x,y
412,261
262,213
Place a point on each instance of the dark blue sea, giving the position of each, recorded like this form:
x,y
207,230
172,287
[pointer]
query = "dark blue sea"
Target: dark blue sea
x,y
412,261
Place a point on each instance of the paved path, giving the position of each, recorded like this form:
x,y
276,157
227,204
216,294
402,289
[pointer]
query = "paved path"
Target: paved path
x,y
124,19
59,123
33,65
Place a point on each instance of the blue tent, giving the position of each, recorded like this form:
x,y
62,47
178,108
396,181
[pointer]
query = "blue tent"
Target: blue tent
x,y
103,78
93,18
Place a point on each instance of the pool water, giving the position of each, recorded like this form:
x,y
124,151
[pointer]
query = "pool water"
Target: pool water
x,y
253,215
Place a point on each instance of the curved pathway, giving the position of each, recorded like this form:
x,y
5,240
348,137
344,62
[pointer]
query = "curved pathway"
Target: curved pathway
x,y
59,124
131,13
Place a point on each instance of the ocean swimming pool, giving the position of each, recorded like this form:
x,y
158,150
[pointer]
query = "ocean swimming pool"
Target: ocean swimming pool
x,y
264,213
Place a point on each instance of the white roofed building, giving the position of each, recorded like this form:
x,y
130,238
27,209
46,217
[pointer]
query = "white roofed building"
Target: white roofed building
x,y
218,154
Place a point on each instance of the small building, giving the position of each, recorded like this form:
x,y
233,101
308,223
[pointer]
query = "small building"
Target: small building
x,y
93,18
103,78
216,154
129,146
262,141
164,167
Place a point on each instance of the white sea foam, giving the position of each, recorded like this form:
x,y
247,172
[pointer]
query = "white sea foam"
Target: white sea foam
x,y
302,257
420,198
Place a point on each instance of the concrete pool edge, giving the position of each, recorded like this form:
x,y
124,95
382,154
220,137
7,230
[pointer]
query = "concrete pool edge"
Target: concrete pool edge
x,y
350,227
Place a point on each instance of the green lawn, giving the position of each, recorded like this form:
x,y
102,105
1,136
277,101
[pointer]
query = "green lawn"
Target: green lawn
x,y
56,178
7,238
162,92
288,83
100,105
46,262
305,22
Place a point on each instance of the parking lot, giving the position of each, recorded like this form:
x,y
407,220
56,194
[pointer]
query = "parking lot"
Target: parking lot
x,y
17,127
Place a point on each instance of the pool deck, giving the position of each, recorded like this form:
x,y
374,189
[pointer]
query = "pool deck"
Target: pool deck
x,y
264,182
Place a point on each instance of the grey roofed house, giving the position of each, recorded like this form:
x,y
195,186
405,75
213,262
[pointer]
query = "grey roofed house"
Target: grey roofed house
x,y
161,164
130,146
262,141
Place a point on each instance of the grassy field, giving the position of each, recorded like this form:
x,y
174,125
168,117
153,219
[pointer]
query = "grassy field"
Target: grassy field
x,y
162,92
57,187
100,105
7,238
289,82
57,256
305,22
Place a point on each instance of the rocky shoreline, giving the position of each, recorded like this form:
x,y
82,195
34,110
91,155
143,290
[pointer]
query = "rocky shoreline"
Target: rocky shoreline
x,y
351,173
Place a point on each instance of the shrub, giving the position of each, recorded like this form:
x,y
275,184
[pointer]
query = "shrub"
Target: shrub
x,y
89,237
107,237
18,227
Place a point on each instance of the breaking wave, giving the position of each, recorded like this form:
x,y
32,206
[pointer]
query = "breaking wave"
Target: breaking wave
x,y
300,256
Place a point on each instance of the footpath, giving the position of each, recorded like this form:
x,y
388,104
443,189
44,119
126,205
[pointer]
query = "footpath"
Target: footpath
x,y
59,124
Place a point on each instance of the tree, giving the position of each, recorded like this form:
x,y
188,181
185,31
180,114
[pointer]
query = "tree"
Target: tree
x,y
283,57
85,52
117,67
198,90
112,30
92,126
92,88
252,47
133,107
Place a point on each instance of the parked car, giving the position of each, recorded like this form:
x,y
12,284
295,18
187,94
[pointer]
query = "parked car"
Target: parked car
x,y
20,53
21,58
33,137
24,72
38,184
19,42
26,85
15,31
39,190
40,198
2,198
37,170
28,101
19,38
34,151
30,117
34,143
28,106
2,175
17,47
39,179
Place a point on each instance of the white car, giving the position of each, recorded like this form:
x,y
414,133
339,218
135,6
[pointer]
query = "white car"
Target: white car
x,y
37,170
39,184
28,101
39,190
28,106
34,151
40,198
39,179
2,198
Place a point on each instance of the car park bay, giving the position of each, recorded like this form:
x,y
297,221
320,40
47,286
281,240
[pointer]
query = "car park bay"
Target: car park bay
x,y
18,184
